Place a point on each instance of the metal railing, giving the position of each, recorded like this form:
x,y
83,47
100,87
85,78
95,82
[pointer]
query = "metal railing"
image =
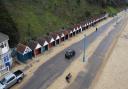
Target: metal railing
x,y
4,71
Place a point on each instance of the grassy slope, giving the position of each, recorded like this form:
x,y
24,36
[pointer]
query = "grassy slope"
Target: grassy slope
x,y
46,15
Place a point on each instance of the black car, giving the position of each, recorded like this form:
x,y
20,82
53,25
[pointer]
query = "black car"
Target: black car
x,y
69,53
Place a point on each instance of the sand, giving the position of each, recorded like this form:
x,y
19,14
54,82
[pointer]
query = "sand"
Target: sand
x,y
115,72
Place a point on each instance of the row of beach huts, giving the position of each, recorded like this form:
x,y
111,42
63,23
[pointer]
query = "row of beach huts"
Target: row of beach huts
x,y
35,47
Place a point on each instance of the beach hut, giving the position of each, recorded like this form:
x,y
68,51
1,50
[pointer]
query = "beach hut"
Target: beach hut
x,y
77,30
70,32
51,41
89,22
66,34
86,24
83,26
62,36
74,31
35,47
94,21
56,37
24,53
80,28
43,42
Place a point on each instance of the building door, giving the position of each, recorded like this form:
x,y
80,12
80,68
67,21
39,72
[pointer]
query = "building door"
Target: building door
x,y
74,33
57,41
66,37
46,47
8,65
53,43
70,35
62,39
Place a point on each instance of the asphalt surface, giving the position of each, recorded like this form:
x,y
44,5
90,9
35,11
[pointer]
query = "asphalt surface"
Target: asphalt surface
x,y
53,68
84,80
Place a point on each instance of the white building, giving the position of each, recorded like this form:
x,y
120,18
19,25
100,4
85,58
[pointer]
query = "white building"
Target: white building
x,y
5,57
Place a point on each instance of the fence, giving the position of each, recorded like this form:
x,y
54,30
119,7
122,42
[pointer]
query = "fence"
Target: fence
x,y
3,71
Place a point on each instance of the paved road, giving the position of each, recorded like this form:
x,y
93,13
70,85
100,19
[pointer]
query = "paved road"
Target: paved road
x,y
84,80
53,68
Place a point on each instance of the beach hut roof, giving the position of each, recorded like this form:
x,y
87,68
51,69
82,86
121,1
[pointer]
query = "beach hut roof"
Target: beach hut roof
x,y
60,33
42,41
76,26
55,35
33,44
22,48
65,32
49,39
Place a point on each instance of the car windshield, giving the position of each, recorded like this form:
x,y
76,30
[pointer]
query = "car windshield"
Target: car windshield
x,y
3,81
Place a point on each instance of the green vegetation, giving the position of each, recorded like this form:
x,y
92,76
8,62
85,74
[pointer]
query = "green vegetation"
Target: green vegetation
x,y
112,10
25,19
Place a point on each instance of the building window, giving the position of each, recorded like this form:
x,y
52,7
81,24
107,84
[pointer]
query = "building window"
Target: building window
x,y
2,45
6,58
5,44
1,64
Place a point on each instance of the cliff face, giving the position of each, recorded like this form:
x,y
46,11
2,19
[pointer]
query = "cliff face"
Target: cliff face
x,y
23,19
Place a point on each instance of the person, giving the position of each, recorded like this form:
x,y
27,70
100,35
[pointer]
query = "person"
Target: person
x,y
96,28
68,77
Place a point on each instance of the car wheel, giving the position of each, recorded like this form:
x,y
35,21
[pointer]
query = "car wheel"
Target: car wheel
x,y
74,53
19,80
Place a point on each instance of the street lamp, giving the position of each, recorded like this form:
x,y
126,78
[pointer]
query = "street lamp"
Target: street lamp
x,y
84,56
117,20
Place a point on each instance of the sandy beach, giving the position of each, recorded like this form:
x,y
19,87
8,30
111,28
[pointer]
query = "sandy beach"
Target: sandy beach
x,y
114,74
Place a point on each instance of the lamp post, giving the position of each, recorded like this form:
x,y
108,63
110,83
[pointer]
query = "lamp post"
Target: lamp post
x,y
84,55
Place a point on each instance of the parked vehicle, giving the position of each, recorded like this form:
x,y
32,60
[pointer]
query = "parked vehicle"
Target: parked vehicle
x,y
11,79
69,53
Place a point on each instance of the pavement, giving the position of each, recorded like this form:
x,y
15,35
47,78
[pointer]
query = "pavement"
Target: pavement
x,y
53,68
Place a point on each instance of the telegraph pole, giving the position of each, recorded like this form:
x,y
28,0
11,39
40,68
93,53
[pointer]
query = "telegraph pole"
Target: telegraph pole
x,y
84,55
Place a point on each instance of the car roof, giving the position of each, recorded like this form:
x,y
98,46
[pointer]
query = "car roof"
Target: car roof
x,y
8,76
69,50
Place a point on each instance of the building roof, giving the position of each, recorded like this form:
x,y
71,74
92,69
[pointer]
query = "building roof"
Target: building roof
x,y
60,33
3,37
21,48
41,40
49,38
32,44
65,32
54,35
76,26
